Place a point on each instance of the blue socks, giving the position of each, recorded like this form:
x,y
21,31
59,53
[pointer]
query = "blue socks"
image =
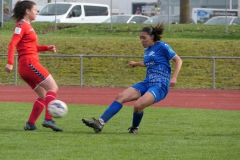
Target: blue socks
x,y
137,119
114,108
111,111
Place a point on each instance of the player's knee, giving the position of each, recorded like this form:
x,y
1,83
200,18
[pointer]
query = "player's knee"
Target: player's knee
x,y
138,107
120,98
42,95
56,89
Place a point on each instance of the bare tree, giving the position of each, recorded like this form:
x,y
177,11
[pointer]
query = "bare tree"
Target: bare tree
x,y
184,12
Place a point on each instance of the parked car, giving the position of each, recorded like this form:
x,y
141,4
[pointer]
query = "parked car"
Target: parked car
x,y
231,20
127,19
71,12
6,18
173,19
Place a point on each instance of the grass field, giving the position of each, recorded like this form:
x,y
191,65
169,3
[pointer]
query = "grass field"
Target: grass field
x,y
164,134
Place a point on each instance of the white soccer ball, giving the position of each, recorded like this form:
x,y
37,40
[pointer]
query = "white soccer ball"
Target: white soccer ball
x,y
57,108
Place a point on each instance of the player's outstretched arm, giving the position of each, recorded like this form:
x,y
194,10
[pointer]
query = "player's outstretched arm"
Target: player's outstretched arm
x,y
135,64
52,48
178,65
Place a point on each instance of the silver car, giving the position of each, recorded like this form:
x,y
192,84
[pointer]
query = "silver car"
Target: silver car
x,y
173,19
231,20
6,18
127,19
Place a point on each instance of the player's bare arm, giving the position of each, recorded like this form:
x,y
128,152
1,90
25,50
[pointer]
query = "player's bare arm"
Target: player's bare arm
x,y
8,68
134,64
52,48
178,65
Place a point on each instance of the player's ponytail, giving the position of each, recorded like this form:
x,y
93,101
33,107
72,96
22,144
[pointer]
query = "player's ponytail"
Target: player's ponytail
x,y
20,9
156,31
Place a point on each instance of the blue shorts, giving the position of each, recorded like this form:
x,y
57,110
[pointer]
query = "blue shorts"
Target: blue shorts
x,y
158,91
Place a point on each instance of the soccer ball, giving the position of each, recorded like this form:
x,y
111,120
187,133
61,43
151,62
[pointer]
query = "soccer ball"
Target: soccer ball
x,y
57,108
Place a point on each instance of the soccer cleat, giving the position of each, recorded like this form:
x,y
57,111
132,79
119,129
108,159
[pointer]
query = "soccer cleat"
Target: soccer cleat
x,y
29,127
95,124
133,130
51,124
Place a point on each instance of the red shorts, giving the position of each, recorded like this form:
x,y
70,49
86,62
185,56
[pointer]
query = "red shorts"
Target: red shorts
x,y
32,72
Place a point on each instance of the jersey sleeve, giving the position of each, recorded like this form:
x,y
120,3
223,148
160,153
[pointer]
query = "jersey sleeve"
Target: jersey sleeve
x,y
42,48
17,35
168,51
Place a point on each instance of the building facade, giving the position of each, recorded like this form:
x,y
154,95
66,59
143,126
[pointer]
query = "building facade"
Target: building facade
x,y
172,6
147,6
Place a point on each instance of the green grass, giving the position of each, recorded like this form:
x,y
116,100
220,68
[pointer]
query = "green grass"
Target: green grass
x,y
165,133
98,39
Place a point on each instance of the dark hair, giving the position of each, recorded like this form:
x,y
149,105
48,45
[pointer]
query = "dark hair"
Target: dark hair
x,y
20,9
157,31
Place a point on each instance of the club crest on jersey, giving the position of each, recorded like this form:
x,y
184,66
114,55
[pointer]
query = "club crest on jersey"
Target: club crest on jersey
x,y
152,53
17,30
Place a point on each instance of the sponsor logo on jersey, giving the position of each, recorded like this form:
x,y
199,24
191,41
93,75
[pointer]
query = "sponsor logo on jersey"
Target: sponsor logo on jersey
x,y
170,50
17,30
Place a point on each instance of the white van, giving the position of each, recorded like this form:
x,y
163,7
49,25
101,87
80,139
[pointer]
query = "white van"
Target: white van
x,y
67,12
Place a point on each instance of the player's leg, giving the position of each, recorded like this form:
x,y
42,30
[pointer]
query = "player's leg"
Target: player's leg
x,y
37,109
127,95
28,74
39,79
146,100
51,88
153,95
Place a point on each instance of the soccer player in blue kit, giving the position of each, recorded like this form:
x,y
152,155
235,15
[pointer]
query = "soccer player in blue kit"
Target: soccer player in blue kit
x,y
153,88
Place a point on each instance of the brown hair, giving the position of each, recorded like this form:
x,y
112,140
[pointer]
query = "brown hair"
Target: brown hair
x,y
20,9
157,31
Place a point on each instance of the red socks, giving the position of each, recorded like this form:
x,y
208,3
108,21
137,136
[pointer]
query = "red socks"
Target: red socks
x,y
37,109
49,97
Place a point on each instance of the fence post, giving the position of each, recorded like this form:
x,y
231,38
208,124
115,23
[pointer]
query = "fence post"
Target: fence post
x,y
213,73
16,70
81,69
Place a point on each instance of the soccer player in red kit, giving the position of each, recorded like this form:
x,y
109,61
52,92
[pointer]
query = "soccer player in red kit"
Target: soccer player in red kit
x,y
31,71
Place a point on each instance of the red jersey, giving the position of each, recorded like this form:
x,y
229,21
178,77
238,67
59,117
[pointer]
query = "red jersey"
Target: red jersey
x,y
25,40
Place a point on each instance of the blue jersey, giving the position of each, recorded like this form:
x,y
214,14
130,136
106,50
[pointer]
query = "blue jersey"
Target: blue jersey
x,y
156,59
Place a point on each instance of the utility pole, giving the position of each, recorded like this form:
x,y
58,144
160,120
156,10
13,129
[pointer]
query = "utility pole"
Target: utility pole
x,y
10,6
238,8
158,3
1,13
226,17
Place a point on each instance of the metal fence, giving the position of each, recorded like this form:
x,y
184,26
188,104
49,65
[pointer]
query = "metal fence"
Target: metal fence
x,y
82,58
